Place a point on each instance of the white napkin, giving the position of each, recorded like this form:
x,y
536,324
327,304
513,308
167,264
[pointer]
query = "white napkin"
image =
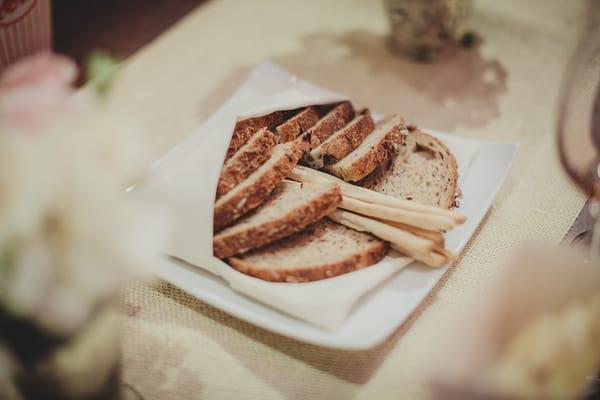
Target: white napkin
x,y
187,177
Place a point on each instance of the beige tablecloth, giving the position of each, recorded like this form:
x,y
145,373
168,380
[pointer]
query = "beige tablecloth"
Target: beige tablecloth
x,y
505,89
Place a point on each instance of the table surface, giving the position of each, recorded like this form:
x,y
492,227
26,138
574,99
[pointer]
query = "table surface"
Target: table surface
x,y
505,89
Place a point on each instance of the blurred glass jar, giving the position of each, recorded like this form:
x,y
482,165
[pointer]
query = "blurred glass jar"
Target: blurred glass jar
x,y
427,30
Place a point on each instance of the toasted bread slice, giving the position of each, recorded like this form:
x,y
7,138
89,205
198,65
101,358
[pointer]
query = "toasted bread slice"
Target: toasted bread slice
x,y
297,125
322,250
255,190
342,142
291,207
424,171
246,128
247,159
381,144
335,119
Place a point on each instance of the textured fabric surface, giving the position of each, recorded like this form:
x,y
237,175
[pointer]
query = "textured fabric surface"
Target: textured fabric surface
x,y
504,89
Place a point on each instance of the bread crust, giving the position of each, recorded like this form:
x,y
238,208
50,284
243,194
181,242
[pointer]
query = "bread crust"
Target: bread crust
x,y
353,262
246,160
426,140
298,124
246,128
228,244
334,120
377,155
343,142
227,210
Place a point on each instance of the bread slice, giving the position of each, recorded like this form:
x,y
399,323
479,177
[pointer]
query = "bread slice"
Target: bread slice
x,y
320,251
424,171
335,119
291,207
297,125
255,190
246,128
248,158
382,143
342,142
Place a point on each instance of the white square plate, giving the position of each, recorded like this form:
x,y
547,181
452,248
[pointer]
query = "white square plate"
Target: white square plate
x,y
377,315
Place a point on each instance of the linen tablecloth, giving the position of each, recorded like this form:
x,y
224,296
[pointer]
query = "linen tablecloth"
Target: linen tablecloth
x,y
504,89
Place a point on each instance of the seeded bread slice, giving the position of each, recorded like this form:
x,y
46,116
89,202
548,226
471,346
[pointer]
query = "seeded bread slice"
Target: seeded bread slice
x,y
424,171
322,250
247,159
255,190
246,128
334,120
297,125
342,142
381,144
291,207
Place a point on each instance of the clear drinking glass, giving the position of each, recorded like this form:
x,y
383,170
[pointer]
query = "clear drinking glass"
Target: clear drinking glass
x,y
578,130
578,124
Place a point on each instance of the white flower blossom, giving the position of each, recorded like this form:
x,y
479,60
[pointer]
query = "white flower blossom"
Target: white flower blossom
x,y
70,236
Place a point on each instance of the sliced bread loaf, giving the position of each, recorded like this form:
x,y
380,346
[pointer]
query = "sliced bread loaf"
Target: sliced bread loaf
x,y
297,125
290,208
342,142
424,171
382,143
247,159
246,128
335,119
320,251
255,190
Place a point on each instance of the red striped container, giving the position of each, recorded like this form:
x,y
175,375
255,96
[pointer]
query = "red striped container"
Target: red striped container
x,y
25,28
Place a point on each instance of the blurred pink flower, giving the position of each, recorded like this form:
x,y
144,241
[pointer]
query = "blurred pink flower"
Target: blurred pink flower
x,y
36,91
44,69
73,235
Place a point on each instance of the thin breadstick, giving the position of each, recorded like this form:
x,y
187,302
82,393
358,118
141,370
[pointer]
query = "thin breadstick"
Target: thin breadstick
x,y
431,259
435,236
445,252
305,174
420,220
408,243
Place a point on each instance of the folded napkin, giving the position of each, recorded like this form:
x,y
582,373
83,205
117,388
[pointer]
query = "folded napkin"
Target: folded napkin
x,y
187,176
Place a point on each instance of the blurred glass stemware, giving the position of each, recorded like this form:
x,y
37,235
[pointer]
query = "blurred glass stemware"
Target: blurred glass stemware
x,y
578,125
578,130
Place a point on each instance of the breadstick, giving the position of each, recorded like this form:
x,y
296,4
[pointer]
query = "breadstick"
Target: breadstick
x,y
431,259
420,220
305,174
407,243
435,236
445,252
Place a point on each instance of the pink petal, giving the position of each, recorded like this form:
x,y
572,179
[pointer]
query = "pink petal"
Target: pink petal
x,y
36,92
42,70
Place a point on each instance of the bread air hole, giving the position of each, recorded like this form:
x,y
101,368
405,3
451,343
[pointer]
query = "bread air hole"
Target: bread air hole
x,y
424,152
